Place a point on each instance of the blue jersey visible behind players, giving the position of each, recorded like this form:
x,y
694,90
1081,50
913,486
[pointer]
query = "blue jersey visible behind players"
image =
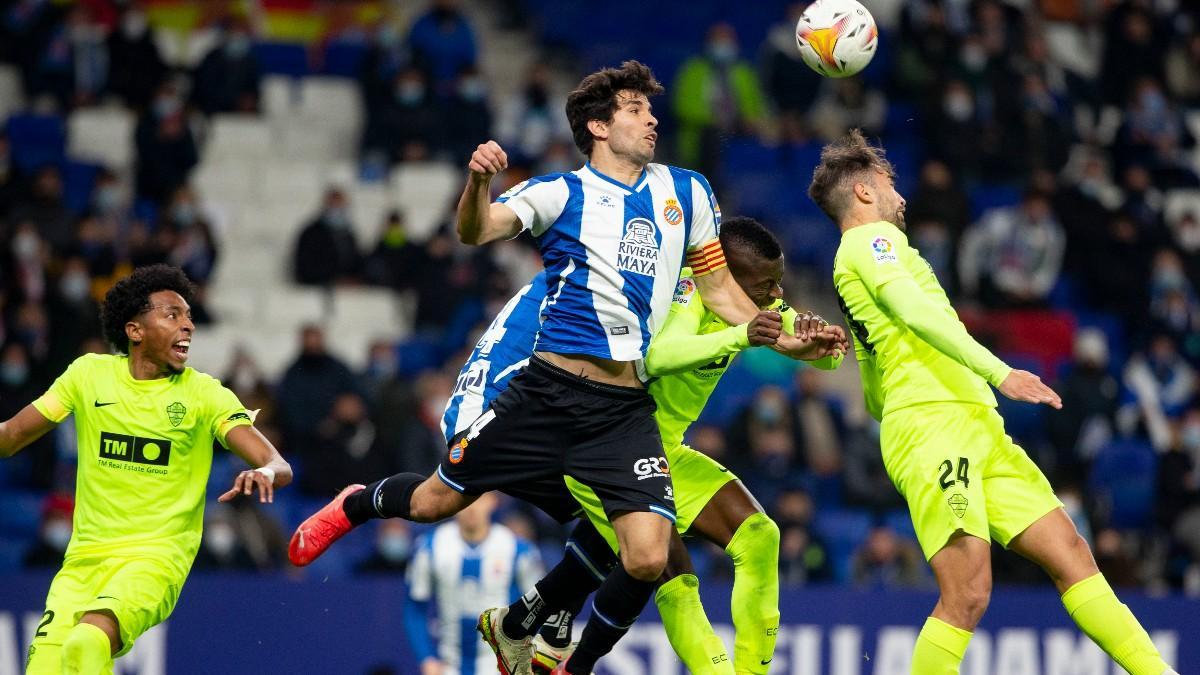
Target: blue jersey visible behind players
x,y
501,352
461,580
613,253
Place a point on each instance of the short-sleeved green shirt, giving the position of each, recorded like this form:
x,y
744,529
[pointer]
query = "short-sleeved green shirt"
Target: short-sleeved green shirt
x,y
145,452
898,368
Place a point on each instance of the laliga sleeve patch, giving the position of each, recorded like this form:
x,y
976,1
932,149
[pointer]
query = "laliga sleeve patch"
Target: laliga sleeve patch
x,y
512,191
883,251
684,291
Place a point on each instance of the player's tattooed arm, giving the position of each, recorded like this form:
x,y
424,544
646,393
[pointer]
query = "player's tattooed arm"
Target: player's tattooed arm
x,y
270,470
21,429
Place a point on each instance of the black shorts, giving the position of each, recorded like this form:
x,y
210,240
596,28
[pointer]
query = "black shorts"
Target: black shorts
x,y
550,423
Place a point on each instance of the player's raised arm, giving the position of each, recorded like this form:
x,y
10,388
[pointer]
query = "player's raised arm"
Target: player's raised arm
x,y
478,219
271,470
25,427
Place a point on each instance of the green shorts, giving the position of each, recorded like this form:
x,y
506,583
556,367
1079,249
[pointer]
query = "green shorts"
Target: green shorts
x,y
959,471
695,478
141,591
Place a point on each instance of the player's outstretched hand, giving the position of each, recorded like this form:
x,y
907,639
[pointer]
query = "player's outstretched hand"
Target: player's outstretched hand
x,y
764,328
245,483
488,159
828,341
1022,385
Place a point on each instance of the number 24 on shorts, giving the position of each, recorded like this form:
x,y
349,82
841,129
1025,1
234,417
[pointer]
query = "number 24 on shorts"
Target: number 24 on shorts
x,y
947,468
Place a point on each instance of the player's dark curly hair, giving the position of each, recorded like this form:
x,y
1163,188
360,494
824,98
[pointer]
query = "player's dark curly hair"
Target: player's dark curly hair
x,y
129,296
596,98
843,163
749,235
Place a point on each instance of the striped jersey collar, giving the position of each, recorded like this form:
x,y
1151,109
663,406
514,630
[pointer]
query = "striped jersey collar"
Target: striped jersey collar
x,y
636,187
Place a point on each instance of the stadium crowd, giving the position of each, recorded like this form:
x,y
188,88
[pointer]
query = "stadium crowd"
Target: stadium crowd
x,y
1047,150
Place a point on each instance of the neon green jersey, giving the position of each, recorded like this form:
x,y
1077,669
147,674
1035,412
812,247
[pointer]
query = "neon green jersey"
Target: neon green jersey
x,y
691,352
911,346
145,451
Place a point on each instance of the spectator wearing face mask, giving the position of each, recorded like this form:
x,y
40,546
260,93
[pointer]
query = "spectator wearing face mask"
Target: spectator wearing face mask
x,y
44,206
21,379
406,126
1163,384
221,548
135,66
468,115
228,78
393,549
531,120
443,44
73,311
166,148
716,94
327,252
53,535
1013,255
24,268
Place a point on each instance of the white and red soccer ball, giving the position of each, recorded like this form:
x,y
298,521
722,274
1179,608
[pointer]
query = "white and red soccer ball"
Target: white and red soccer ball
x,y
837,38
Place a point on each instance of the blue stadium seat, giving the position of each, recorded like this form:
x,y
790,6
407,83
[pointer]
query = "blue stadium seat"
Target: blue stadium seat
x,y
843,531
36,140
20,512
282,58
1022,421
343,58
12,553
900,521
1123,479
986,196
78,180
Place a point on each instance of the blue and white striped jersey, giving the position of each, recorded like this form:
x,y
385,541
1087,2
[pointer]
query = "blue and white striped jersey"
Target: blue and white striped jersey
x,y
501,352
613,253
462,580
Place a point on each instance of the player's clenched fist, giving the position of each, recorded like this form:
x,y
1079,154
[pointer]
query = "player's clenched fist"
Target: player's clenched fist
x,y
764,328
488,159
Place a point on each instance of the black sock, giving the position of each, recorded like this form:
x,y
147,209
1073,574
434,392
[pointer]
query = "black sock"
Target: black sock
x,y
387,498
565,587
618,603
557,629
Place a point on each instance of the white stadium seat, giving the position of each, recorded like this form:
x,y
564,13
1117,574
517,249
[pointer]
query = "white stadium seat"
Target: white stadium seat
x,y
278,96
12,96
425,192
102,135
237,136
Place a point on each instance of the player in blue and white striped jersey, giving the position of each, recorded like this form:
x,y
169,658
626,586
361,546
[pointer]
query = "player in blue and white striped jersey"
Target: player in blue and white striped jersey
x,y
500,353
614,236
460,569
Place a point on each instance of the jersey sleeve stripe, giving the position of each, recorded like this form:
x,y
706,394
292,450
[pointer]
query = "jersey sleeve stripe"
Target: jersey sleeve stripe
x,y
51,407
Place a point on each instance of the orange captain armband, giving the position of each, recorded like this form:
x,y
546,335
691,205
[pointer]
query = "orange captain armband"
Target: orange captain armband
x,y
708,258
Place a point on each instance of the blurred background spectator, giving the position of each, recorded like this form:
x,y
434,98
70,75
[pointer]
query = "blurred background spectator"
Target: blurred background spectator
x,y
303,168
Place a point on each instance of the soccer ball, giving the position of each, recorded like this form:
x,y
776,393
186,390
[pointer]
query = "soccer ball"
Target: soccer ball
x,y
837,38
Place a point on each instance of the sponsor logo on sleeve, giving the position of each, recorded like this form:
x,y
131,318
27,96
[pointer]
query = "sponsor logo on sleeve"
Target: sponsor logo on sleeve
x,y
883,250
684,291
512,191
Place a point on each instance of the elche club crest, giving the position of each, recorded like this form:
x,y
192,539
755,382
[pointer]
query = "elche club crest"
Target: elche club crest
x,y
175,413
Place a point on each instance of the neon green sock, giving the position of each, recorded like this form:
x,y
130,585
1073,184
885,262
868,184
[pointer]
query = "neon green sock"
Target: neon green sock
x,y
86,651
754,550
1109,623
688,629
940,648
